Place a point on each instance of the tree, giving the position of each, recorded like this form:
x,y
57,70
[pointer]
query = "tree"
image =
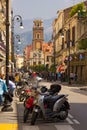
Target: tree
x,y
82,44
77,8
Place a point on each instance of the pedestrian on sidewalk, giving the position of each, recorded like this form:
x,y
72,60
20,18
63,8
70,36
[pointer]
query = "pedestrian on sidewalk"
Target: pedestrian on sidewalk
x,y
3,89
12,85
71,78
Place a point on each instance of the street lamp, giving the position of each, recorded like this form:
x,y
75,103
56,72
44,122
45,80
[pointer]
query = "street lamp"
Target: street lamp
x,y
18,38
18,18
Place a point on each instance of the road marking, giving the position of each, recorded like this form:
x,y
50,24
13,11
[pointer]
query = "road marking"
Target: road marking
x,y
70,116
77,122
30,127
8,127
69,121
74,120
63,127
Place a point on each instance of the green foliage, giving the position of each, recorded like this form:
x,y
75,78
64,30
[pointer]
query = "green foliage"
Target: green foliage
x,y
39,68
82,44
77,8
52,68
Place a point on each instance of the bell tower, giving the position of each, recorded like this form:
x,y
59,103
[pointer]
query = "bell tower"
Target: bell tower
x,y
38,35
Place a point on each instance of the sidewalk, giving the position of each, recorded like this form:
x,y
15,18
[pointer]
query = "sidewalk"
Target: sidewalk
x,y
8,120
81,88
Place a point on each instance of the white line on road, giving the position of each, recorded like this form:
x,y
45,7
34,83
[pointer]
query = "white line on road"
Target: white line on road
x,y
70,116
63,127
77,122
74,120
69,121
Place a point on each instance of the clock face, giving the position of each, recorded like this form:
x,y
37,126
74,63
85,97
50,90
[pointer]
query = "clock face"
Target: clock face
x,y
38,45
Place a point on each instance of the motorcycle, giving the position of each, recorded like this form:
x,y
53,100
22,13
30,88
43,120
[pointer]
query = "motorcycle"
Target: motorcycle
x,y
21,88
29,103
50,107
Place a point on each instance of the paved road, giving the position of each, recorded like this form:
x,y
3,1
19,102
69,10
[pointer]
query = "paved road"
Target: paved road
x,y
71,123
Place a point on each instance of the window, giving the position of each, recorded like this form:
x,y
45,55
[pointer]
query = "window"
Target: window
x,y
38,35
73,36
39,62
68,38
34,63
38,25
62,47
47,58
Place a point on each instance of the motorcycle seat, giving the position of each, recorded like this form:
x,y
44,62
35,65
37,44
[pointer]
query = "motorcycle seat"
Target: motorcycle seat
x,y
51,98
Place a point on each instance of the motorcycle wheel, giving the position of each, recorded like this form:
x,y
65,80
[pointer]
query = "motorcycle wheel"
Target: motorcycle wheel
x,y
26,114
22,98
17,93
63,114
64,111
33,118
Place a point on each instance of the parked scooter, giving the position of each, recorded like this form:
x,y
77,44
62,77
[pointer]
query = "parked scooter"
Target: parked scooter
x,y
50,107
29,104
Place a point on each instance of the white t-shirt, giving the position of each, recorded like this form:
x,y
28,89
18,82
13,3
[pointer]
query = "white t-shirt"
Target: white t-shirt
x,y
12,84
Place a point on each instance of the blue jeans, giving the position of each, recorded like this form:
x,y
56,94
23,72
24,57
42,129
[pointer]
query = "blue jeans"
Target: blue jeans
x,y
1,99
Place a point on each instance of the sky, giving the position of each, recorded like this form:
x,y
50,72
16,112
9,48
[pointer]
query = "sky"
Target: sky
x,y
44,9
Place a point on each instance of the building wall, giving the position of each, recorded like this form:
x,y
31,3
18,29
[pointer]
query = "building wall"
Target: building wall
x,y
19,61
2,36
77,29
